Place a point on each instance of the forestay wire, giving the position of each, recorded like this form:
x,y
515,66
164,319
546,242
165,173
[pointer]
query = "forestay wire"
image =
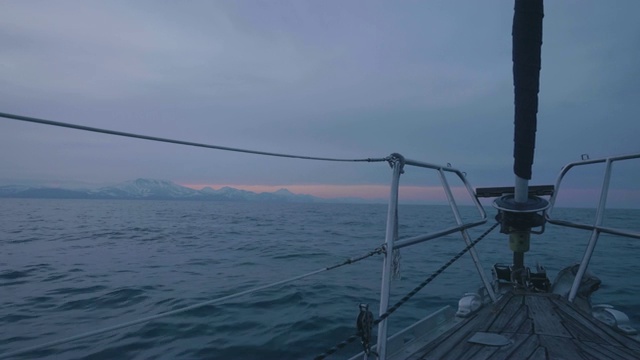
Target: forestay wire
x,y
179,142
376,251
397,305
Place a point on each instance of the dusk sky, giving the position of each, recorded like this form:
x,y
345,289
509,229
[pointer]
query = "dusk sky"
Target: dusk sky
x,y
431,80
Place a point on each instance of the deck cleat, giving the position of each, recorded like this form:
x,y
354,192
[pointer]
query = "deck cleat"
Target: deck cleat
x,y
615,319
469,304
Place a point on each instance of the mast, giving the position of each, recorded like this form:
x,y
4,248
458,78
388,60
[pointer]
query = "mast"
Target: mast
x,y
518,211
527,46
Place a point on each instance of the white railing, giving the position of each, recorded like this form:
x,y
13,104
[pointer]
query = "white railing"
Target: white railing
x,y
398,164
596,228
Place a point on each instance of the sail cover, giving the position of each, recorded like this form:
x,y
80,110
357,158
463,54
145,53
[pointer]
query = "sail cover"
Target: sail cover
x,y
527,43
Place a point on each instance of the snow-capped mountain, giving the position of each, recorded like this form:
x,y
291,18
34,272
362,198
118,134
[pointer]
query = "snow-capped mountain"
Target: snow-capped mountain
x,y
154,189
147,188
230,193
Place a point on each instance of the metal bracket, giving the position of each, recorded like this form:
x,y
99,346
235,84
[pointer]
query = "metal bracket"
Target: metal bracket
x,y
396,158
514,216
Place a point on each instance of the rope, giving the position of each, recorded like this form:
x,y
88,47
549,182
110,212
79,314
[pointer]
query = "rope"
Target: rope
x,y
364,324
433,276
179,142
395,307
185,309
376,251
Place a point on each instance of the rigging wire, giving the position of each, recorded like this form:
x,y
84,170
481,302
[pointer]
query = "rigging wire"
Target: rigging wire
x,y
179,142
397,305
349,261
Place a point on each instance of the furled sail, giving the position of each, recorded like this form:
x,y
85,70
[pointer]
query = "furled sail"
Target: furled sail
x,y
527,43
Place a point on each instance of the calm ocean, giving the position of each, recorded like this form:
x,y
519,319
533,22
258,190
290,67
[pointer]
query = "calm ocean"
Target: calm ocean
x,y
72,266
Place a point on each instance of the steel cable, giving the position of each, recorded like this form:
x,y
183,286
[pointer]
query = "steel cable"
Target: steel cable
x,y
179,142
397,305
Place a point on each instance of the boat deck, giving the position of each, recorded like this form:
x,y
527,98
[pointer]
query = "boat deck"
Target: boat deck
x,y
537,326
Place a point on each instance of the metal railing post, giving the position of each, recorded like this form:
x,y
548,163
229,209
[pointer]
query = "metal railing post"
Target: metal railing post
x,y
398,163
465,235
594,234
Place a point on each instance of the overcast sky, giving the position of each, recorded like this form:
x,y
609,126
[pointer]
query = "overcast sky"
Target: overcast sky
x,y
351,79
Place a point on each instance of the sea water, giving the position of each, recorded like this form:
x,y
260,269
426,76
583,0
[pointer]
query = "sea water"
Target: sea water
x,y
72,266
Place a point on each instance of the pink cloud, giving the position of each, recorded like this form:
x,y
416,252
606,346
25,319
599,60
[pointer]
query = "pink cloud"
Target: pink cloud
x,y
584,198
407,193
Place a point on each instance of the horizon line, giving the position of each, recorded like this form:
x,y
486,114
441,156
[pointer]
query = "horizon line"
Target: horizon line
x,y
570,197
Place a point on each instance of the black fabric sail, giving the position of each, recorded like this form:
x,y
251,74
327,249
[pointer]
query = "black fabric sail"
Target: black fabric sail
x,y
527,43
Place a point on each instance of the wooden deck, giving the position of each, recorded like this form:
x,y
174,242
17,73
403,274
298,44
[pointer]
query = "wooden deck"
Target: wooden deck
x,y
538,326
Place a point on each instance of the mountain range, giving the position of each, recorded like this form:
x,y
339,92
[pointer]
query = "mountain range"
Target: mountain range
x,y
159,190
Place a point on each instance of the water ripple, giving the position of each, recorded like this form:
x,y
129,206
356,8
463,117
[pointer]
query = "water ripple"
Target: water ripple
x,y
77,266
